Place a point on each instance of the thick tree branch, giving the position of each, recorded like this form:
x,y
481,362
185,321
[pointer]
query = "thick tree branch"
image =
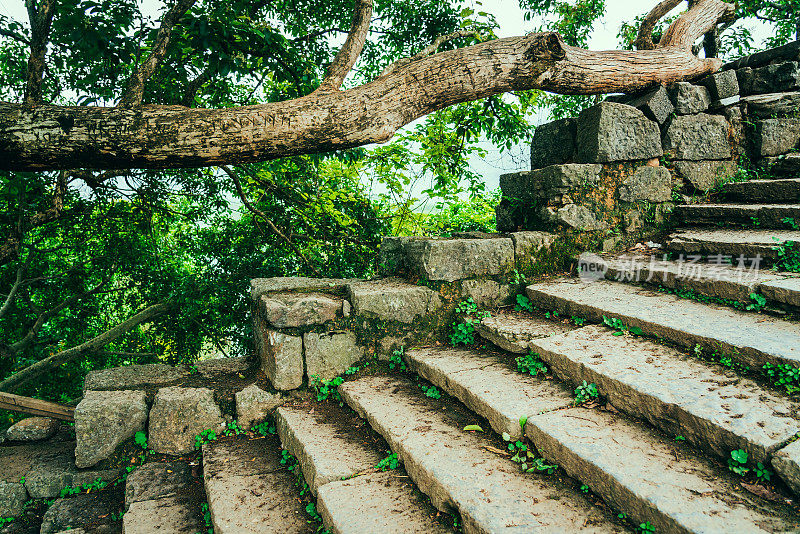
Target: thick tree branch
x,y
134,90
51,362
347,56
41,18
689,27
429,50
644,39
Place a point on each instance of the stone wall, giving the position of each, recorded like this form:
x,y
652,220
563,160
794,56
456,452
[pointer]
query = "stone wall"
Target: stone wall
x,y
617,169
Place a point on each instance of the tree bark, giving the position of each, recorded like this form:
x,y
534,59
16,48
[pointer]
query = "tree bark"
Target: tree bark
x,y
53,137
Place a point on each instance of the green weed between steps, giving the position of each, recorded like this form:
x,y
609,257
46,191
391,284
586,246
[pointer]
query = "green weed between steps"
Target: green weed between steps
x,y
585,393
788,256
527,461
292,465
391,462
531,364
757,303
464,330
738,464
621,328
396,360
524,303
330,388
430,391
207,518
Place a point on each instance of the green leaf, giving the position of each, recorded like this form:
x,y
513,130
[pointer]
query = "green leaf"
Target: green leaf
x,y
473,428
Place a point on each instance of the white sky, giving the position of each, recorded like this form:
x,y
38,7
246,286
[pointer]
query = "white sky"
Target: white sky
x,y
511,22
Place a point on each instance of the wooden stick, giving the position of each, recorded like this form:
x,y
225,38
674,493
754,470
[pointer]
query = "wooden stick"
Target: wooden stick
x,y
17,403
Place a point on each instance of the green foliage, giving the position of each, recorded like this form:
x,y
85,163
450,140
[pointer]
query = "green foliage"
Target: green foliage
x,y
206,436
473,428
522,455
579,321
265,428
430,391
620,327
96,485
783,376
586,392
646,528
791,223
531,364
207,518
738,462
523,303
396,360
140,438
763,473
389,463
464,331
233,429
326,388
788,256
759,302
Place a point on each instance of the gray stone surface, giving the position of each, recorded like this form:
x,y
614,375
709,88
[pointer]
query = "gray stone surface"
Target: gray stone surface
x,y
749,243
652,479
681,396
12,499
282,359
722,84
575,216
449,260
513,331
135,377
776,136
254,405
377,502
489,386
653,184
725,102
690,99
705,175
785,190
393,300
103,420
291,310
616,132
168,515
33,429
528,244
697,137
260,286
549,181
785,164
767,215
750,338
553,143
221,367
775,78
786,291
247,496
180,414
485,292
786,463
156,480
655,104
329,354
322,446
457,473
771,105
87,511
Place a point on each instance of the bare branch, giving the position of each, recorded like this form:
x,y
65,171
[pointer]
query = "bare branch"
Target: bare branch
x,y
347,56
134,91
689,27
14,288
644,39
51,362
195,85
41,18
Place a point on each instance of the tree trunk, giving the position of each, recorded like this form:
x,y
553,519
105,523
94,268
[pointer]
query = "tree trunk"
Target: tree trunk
x,y
38,138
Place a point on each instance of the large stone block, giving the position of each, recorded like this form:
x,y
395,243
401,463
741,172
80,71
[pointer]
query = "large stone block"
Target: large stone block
x,y
329,354
772,105
528,244
721,85
287,310
549,181
653,184
776,136
179,415
12,499
260,286
553,143
485,292
54,469
282,359
135,377
574,216
655,104
254,405
33,429
392,300
705,175
448,260
690,99
787,464
697,137
776,78
616,132
103,420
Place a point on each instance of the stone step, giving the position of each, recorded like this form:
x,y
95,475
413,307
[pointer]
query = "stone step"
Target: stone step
x,y
786,190
248,489
730,282
458,473
512,331
337,453
786,165
752,339
637,472
730,242
752,215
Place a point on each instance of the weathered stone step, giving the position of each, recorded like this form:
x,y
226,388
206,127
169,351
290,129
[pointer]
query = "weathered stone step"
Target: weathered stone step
x,y
786,165
248,489
455,470
631,468
752,339
730,242
489,386
682,396
786,190
338,463
731,282
752,215
512,332
650,478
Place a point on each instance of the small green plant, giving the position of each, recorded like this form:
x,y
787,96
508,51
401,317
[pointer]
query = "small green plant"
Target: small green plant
x,y
207,518
579,321
791,223
680,438
96,485
646,528
622,515
585,392
396,359
389,463
531,364
22,480
759,302
140,438
265,429
193,370
518,277
783,376
788,256
523,303
327,388
311,510
584,489
233,429
206,436
430,391
464,331
473,428
551,315
6,520
756,221
528,462
738,462
763,473
288,460
620,327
